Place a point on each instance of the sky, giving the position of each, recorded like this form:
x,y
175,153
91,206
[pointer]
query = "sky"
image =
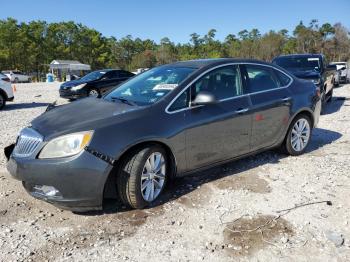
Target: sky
x,y
177,19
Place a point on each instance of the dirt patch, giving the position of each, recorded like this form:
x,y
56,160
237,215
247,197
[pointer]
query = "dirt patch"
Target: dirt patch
x,y
94,231
197,198
250,181
245,236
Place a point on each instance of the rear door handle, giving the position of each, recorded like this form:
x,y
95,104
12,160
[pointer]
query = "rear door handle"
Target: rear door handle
x,y
241,110
286,99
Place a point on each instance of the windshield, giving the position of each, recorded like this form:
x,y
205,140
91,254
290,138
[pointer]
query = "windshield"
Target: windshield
x,y
299,63
150,86
93,76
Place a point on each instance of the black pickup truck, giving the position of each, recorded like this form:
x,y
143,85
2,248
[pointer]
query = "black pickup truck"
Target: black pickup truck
x,y
313,67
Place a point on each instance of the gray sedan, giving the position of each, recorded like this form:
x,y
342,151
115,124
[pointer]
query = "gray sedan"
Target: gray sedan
x,y
170,121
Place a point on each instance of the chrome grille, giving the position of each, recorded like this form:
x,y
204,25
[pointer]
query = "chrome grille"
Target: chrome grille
x,y
27,142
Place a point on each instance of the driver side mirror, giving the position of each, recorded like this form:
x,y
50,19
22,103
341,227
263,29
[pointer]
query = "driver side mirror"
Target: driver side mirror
x,y
204,98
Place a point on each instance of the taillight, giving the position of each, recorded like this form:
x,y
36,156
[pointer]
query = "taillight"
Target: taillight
x,y
6,79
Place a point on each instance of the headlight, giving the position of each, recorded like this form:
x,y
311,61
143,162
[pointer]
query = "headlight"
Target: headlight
x,y
75,88
67,145
316,81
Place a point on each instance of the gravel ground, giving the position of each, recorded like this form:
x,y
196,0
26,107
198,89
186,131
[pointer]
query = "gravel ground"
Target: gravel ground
x,y
223,214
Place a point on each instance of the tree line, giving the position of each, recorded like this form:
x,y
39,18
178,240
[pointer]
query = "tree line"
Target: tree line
x,y
31,46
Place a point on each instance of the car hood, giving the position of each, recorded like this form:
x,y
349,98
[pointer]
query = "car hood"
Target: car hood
x,y
73,83
85,114
305,74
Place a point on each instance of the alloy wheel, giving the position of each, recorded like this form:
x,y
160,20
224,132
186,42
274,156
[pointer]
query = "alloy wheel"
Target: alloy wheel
x,y
93,93
300,134
153,176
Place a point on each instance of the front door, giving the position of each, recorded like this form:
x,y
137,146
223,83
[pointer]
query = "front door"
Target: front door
x,y
220,131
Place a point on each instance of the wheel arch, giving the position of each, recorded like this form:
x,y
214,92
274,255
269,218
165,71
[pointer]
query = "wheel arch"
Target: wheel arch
x,y
3,93
109,188
304,111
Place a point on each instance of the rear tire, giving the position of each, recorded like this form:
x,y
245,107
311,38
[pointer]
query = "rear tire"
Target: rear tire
x,y
135,176
298,136
2,101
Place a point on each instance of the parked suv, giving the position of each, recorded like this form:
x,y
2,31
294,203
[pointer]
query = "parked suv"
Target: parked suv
x,y
94,84
17,77
6,92
313,67
167,122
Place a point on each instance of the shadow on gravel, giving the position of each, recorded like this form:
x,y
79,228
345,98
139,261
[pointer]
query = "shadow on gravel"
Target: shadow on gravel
x,y
334,105
10,107
182,189
322,137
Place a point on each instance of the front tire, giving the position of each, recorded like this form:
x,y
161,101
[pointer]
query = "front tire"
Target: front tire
x,y
94,93
298,136
2,101
142,176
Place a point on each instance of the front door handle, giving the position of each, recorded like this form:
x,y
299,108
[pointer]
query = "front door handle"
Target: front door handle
x,y
241,110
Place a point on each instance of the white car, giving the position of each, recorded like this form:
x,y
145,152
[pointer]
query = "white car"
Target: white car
x,y
342,74
6,92
17,76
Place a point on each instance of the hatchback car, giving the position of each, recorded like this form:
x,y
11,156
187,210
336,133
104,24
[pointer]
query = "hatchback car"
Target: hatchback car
x,y
167,122
93,84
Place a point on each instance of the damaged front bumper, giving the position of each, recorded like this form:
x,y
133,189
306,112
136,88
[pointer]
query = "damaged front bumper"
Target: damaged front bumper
x,y
75,183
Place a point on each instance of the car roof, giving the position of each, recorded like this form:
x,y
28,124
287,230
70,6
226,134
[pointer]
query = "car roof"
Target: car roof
x,y
199,63
108,70
298,55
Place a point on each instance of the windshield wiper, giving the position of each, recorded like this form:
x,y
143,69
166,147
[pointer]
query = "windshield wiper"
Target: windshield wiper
x,y
124,100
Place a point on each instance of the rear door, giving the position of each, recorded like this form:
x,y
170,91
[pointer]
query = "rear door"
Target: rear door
x,y
271,101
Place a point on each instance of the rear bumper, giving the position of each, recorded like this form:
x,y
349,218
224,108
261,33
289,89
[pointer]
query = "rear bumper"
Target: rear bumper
x,y
79,180
10,99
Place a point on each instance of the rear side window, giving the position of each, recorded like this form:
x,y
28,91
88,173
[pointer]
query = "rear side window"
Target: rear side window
x,y
282,78
261,78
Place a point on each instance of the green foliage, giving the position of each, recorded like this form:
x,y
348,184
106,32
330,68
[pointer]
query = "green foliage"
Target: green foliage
x,y
32,46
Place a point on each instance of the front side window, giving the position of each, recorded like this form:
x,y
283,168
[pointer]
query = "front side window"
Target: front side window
x,y
125,74
261,78
181,102
93,76
111,75
150,86
223,83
